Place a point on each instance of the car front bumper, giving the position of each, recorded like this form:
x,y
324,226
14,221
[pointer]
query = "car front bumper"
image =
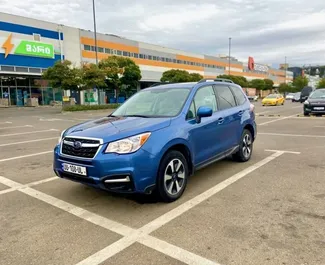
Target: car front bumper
x,y
314,109
129,173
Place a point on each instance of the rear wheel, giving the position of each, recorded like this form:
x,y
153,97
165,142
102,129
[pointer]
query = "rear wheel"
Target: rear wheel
x,y
172,176
245,147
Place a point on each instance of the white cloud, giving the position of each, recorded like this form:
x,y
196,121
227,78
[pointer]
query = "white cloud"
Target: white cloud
x,y
268,30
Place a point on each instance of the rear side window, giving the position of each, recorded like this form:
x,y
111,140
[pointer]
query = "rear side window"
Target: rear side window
x,y
239,95
225,97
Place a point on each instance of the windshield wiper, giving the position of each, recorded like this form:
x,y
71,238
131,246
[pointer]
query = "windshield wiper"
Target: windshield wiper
x,y
137,115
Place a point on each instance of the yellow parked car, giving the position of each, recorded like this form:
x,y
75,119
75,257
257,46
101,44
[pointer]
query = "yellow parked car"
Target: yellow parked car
x,y
273,100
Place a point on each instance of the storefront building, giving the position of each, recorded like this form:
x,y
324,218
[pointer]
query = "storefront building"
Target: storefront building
x,y
28,47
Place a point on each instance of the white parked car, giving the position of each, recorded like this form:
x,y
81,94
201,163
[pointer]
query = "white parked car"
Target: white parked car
x,y
290,96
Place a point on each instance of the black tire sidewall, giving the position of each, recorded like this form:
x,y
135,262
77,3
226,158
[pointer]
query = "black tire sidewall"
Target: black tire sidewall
x,y
240,155
164,195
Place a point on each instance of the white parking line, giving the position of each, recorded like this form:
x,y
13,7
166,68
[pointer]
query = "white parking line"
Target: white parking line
x,y
263,112
30,141
285,151
15,127
293,135
284,118
21,186
14,134
141,235
24,156
6,122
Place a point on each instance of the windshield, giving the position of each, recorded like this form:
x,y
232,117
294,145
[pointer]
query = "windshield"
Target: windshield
x,y
318,94
271,96
158,102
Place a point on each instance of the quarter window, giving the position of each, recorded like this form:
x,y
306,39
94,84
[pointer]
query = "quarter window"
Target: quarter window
x,y
191,114
225,97
239,95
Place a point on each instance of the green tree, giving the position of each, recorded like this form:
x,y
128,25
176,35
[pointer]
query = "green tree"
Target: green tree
x,y
176,76
195,77
300,82
63,75
239,80
121,73
321,83
268,84
285,88
258,84
93,76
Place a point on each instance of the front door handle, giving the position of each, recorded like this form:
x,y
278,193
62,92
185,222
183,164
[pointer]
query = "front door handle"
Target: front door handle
x,y
240,113
220,121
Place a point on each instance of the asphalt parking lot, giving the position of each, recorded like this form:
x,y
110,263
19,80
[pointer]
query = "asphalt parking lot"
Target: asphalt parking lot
x,y
269,210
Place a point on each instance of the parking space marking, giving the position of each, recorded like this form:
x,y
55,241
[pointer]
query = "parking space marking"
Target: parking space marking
x,y
15,134
21,186
167,217
24,156
263,112
292,135
296,107
16,127
30,141
6,122
284,118
141,235
285,151
319,126
175,252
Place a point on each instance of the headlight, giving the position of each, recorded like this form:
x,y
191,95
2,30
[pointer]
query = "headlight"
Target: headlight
x,y
306,102
61,136
128,145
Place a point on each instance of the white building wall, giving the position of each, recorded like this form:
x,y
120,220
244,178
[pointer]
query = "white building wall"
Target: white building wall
x,y
72,49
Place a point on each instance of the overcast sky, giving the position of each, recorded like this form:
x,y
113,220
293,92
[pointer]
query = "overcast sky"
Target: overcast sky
x,y
268,30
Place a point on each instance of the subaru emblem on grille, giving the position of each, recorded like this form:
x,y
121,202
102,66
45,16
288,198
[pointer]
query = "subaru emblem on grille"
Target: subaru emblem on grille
x,y
77,145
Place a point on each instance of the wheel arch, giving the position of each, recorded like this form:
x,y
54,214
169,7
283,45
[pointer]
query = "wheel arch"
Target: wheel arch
x,y
183,147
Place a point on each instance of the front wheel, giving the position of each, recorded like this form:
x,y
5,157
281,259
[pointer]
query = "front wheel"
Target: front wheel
x,y
245,147
172,176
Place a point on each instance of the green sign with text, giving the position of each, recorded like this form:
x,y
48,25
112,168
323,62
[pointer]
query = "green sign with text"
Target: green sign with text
x,y
34,48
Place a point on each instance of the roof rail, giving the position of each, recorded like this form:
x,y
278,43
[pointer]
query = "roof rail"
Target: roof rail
x,y
216,80
162,83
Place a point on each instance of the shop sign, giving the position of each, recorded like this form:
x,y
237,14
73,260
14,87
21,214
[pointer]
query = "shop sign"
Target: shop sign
x,y
256,67
34,48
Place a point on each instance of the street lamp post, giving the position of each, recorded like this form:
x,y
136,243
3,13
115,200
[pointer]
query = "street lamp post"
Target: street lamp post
x,y
229,56
285,69
95,32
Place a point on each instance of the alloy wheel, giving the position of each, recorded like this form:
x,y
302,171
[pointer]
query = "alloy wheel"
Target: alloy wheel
x,y
174,176
247,145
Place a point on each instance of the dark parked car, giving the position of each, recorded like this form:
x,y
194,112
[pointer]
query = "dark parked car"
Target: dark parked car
x,y
305,92
296,97
315,104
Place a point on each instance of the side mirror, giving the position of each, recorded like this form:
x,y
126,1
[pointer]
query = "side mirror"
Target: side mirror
x,y
203,112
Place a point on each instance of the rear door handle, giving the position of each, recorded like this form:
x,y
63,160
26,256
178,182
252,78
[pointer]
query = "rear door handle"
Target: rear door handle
x,y
220,121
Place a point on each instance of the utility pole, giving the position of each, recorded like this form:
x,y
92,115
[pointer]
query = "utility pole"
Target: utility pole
x,y
229,56
285,69
95,32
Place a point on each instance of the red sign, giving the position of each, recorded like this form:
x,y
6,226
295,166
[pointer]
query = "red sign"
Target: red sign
x,y
251,64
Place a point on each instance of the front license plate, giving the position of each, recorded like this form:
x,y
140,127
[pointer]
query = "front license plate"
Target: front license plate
x,y
75,169
318,108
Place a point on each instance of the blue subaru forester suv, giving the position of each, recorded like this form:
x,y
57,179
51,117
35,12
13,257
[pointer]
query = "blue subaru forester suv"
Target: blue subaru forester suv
x,y
158,138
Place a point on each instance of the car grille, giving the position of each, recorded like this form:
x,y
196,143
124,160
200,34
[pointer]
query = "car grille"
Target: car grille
x,y
79,147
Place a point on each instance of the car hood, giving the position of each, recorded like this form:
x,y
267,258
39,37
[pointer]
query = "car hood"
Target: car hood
x,y
113,128
316,100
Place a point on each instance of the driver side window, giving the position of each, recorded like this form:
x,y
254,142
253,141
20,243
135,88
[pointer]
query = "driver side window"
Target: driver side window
x,y
205,97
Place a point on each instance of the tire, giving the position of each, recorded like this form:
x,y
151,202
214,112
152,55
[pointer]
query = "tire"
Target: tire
x,y
306,114
167,188
242,155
